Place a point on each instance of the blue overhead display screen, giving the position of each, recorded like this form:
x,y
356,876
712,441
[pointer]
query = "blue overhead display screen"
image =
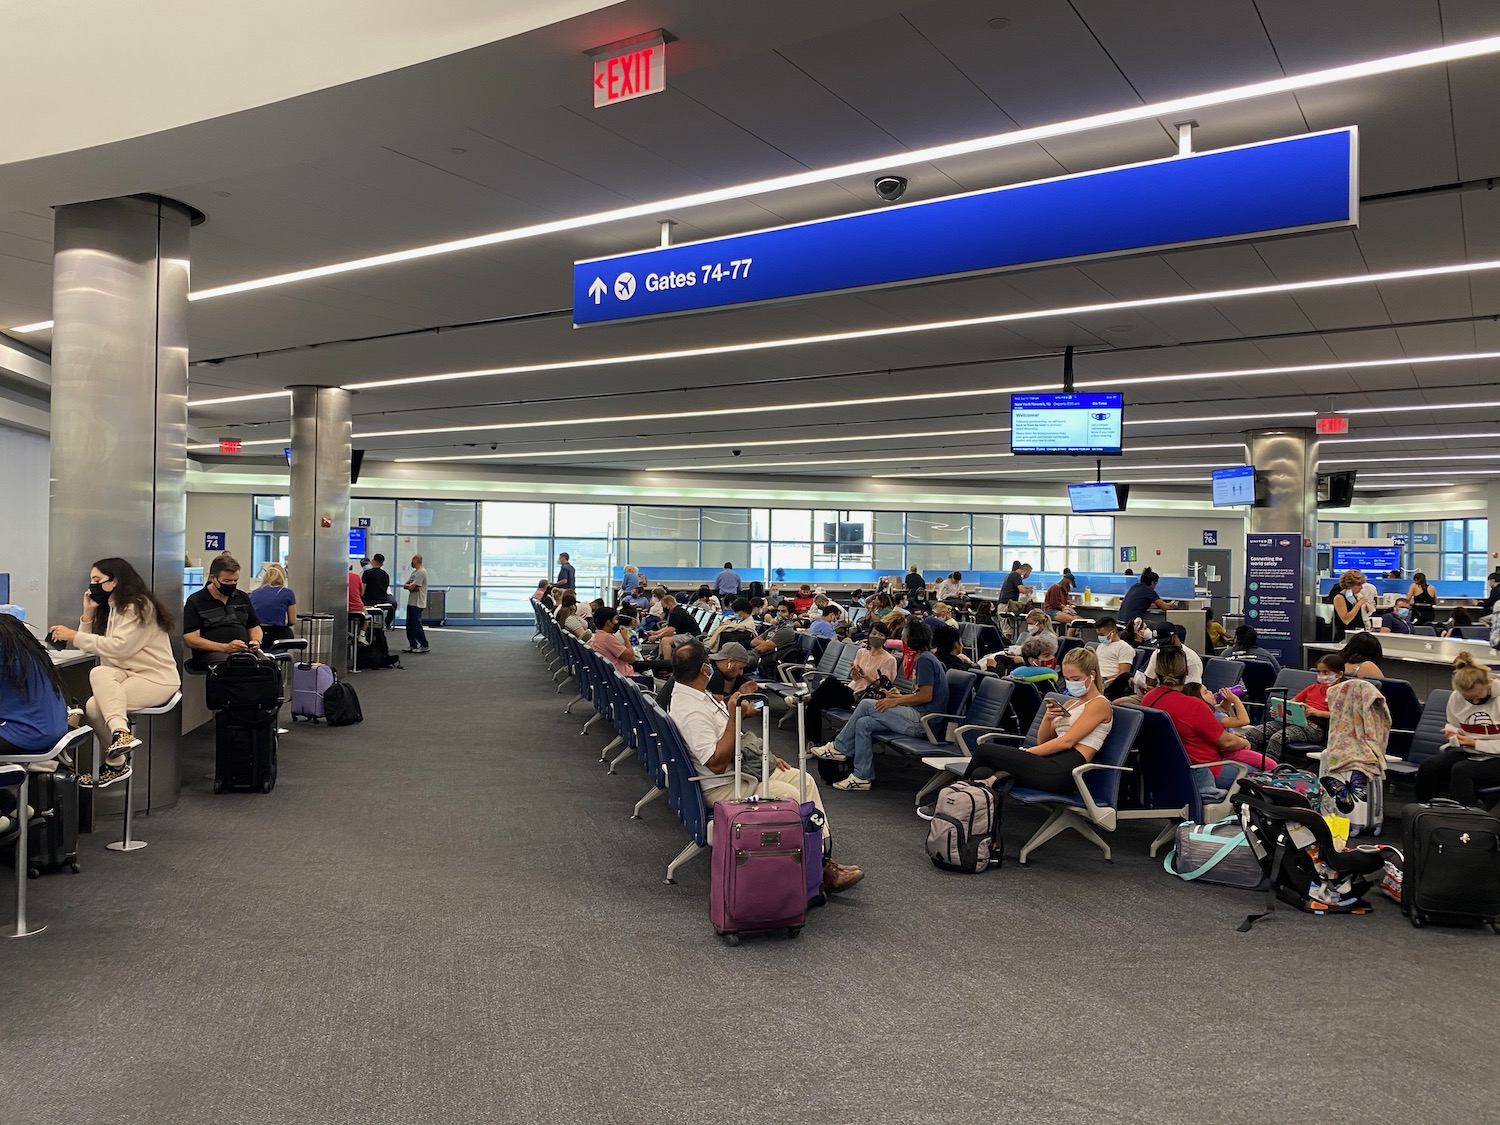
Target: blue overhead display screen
x,y
1275,187
1376,562
358,542
1066,423
1234,486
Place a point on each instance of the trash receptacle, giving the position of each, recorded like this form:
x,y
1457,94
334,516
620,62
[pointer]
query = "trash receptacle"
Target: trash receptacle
x,y
437,606
317,630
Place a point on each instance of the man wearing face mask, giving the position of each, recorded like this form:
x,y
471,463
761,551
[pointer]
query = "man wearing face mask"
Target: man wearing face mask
x,y
219,619
1398,619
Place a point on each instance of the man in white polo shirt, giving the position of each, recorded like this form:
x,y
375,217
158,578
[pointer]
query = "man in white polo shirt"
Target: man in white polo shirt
x,y
709,734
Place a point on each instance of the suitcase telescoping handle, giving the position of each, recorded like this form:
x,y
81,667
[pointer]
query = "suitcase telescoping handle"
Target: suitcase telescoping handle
x,y
799,701
765,742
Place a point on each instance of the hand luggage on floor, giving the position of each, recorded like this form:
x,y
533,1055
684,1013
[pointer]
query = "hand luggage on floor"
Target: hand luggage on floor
x,y
758,878
245,749
341,705
964,835
53,824
243,679
1451,873
376,652
1216,853
812,818
309,683
1356,795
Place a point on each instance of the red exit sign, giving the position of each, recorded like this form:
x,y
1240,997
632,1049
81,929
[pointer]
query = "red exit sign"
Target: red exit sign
x,y
229,446
630,69
1333,425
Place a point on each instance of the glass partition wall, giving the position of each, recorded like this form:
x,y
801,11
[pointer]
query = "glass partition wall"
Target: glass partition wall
x,y
489,555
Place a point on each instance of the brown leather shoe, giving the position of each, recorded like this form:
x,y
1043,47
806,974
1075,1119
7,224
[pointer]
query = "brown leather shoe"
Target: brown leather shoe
x,y
839,877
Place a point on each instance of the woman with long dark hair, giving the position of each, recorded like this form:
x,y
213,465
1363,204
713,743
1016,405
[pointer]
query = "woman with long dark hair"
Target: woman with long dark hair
x,y
128,629
33,710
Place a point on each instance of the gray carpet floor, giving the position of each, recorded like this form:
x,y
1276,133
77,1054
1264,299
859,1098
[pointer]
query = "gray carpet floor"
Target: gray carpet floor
x,y
446,915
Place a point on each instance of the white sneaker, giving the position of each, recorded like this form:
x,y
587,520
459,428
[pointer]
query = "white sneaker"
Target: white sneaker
x,y
828,751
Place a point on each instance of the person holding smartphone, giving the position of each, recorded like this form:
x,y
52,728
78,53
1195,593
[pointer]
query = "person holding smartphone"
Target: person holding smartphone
x,y
220,619
126,627
1074,725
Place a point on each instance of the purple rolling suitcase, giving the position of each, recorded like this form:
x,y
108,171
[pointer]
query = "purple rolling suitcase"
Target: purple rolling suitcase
x,y
309,682
812,816
758,880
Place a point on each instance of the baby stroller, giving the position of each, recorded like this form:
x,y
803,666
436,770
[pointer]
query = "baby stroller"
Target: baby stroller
x,y
1297,852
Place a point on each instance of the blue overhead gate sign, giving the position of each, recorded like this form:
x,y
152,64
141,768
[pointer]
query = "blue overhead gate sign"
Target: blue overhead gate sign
x,y
1275,187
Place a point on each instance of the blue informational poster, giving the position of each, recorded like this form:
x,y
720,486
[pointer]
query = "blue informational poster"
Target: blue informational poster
x,y
1271,187
1273,593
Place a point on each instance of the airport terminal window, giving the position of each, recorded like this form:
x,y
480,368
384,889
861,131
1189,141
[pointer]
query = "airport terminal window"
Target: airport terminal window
x,y
1444,550
489,555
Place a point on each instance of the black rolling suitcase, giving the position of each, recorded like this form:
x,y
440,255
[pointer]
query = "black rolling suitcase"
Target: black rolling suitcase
x,y
1452,865
53,826
243,680
245,749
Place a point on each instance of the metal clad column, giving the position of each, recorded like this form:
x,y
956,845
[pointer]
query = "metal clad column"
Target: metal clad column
x,y
119,418
321,441
1287,461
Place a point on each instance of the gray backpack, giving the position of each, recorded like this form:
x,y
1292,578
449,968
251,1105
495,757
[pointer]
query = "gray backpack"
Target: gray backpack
x,y
965,831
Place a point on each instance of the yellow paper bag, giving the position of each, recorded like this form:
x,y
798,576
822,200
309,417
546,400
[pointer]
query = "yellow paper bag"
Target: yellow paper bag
x,y
1339,826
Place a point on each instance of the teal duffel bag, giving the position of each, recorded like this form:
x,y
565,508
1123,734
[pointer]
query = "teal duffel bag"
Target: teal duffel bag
x,y
1215,853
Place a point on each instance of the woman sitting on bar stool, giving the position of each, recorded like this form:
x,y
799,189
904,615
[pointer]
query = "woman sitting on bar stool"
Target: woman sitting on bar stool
x,y
125,625
276,605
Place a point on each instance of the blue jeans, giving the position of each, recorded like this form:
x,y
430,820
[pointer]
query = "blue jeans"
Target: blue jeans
x,y
415,637
859,732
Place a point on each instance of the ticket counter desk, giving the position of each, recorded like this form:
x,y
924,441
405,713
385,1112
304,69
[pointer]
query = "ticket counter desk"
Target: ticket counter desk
x,y
1424,662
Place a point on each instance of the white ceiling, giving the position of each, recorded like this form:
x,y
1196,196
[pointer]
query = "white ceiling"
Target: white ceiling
x,y
506,136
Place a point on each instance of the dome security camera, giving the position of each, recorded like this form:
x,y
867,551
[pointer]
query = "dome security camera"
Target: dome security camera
x,y
494,445
736,452
890,188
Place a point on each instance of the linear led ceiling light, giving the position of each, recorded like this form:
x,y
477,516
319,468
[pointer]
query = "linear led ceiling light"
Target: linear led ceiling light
x,y
998,318
1391,64
969,322
924,458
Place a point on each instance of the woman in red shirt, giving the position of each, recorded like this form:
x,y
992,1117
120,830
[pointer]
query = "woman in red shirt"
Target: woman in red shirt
x,y
1203,736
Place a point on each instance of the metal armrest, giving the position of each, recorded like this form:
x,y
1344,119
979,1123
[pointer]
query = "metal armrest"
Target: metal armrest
x,y
1101,816
926,721
1001,736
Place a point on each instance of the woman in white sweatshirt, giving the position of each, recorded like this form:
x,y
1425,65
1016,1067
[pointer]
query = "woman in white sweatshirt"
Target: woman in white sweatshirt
x,y
1471,759
130,631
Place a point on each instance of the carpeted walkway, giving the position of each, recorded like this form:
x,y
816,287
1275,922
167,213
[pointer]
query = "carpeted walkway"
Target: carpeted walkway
x,y
445,916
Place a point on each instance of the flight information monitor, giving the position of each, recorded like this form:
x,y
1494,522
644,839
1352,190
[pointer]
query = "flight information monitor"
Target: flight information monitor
x,y
1105,497
1080,424
1374,561
1234,486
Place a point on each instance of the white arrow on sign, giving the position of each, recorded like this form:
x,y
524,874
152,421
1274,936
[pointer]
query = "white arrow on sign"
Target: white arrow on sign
x,y
597,289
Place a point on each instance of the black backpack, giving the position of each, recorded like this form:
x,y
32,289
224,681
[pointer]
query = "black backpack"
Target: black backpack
x,y
341,706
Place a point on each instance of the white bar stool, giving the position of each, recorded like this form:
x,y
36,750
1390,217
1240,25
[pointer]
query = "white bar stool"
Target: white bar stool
x,y
70,741
128,843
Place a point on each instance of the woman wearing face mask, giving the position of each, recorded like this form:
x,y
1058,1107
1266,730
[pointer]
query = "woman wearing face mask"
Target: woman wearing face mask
x,y
1038,629
1070,735
871,663
1314,697
1471,759
128,629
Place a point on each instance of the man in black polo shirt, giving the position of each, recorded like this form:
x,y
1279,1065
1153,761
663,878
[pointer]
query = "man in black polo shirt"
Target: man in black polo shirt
x,y
679,623
219,619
